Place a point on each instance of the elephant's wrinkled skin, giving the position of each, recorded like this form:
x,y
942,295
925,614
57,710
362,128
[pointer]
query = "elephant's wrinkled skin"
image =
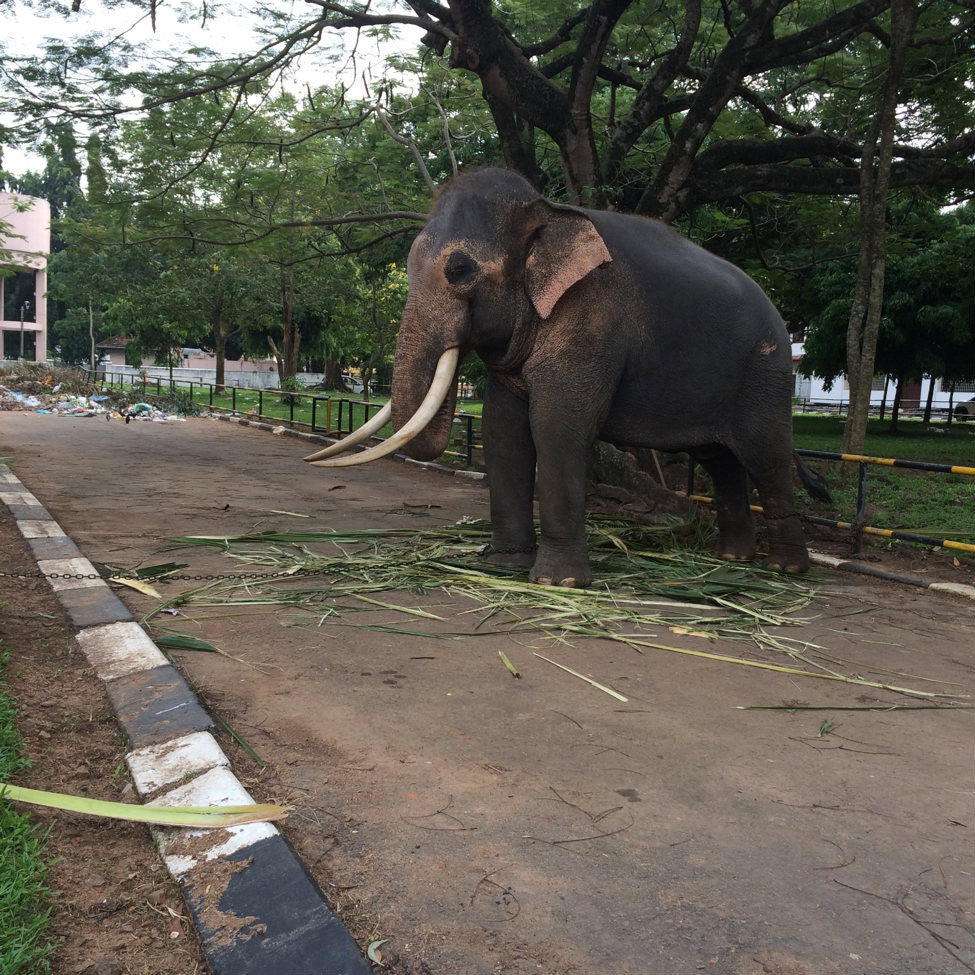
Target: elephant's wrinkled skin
x,y
596,325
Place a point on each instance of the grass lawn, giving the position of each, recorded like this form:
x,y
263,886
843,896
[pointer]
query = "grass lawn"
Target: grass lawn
x,y
939,505
24,899
938,443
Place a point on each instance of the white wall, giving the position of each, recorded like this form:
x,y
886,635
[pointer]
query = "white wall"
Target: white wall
x,y
813,390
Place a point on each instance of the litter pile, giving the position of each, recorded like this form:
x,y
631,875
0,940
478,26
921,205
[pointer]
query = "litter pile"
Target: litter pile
x,y
74,405
65,393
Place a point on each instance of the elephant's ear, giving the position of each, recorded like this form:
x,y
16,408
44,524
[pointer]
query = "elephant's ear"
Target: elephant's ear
x,y
564,248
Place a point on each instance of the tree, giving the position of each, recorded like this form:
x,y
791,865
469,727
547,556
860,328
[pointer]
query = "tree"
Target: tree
x,y
713,114
387,287
927,320
875,175
220,291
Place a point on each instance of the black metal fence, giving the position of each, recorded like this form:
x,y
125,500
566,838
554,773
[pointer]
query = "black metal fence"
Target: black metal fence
x,y
858,527
321,413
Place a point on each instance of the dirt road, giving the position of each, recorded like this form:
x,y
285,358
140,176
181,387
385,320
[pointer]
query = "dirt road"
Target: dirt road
x,y
486,824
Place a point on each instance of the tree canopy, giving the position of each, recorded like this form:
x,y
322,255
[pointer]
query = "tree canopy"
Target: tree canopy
x,y
651,106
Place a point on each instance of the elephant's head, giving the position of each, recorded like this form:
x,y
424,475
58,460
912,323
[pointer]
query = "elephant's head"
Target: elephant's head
x,y
492,262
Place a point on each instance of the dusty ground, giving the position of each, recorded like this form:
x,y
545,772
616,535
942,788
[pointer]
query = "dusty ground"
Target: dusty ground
x,y
485,824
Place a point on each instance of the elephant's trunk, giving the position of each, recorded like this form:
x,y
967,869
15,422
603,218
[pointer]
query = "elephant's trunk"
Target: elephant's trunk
x,y
443,390
432,324
410,384
428,351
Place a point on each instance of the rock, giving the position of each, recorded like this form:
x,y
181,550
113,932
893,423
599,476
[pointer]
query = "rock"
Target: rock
x,y
108,965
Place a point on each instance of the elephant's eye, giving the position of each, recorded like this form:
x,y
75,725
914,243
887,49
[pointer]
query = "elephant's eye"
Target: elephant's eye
x,y
460,268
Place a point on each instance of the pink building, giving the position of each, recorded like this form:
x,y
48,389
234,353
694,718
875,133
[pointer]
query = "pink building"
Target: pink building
x,y
25,242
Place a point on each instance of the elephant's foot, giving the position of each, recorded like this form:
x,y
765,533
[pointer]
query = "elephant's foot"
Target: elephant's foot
x,y
727,554
568,573
735,548
786,545
522,558
792,562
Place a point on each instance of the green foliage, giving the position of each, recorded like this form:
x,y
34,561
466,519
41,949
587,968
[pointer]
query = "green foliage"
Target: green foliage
x,y
928,324
225,164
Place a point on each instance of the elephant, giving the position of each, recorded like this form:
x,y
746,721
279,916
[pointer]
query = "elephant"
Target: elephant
x,y
591,325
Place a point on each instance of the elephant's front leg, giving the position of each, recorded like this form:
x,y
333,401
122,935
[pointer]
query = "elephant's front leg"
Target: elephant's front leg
x,y
509,454
563,458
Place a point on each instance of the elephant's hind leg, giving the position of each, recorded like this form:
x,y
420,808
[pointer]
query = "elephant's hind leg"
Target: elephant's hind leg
x,y
772,476
736,533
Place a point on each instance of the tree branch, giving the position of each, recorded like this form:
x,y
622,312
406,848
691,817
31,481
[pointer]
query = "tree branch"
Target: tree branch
x,y
824,38
414,151
735,181
649,101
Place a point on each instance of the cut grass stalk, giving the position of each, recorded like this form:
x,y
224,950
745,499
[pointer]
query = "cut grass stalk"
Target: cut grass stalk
x,y
409,610
510,666
206,817
137,585
588,680
777,668
228,727
933,706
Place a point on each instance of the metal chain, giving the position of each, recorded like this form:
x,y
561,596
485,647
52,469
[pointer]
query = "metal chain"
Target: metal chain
x,y
180,578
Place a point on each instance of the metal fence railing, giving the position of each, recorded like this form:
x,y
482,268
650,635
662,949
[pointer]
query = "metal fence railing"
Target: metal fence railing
x,y
316,412
858,527
331,415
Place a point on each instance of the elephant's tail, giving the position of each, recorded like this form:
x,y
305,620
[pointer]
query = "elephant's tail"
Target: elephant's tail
x,y
812,481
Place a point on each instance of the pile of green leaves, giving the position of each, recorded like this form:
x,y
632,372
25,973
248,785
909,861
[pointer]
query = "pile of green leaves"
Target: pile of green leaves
x,y
647,578
643,578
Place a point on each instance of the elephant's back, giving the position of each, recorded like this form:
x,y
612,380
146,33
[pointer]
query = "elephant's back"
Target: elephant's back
x,y
704,335
676,278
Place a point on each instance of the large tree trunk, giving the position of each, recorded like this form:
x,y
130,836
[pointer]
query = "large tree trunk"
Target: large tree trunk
x,y
663,198
91,338
220,353
883,400
333,374
291,335
929,402
896,408
875,164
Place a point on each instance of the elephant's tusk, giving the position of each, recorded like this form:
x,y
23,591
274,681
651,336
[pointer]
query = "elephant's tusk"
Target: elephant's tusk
x,y
363,433
442,378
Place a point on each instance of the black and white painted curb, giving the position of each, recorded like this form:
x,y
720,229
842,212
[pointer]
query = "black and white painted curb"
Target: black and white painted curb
x,y
863,568
255,906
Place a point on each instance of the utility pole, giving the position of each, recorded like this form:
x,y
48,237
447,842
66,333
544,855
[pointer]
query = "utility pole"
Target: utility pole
x,y
24,305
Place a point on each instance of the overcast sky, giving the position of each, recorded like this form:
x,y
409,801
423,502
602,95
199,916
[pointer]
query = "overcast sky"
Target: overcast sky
x,y
230,32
